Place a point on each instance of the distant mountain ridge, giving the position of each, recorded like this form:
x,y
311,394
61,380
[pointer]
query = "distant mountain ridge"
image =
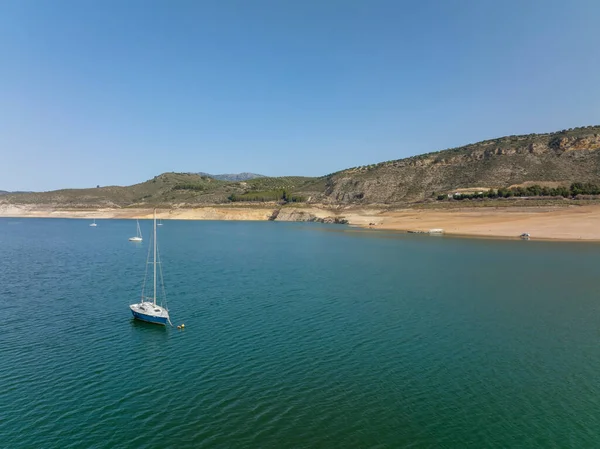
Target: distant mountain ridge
x,y
6,192
561,158
235,177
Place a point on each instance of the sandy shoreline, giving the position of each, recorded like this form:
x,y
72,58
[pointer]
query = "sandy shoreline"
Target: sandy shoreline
x,y
572,223
575,223
202,213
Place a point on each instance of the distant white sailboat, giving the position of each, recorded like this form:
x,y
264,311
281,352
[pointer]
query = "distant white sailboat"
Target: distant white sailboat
x,y
94,223
159,222
138,235
147,309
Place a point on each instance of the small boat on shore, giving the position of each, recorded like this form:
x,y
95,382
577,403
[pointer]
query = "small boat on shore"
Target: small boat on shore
x,y
525,236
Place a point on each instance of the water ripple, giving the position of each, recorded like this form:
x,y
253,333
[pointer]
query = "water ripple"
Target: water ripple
x,y
338,340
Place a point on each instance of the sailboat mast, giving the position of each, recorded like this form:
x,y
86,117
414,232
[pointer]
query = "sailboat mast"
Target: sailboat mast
x,y
154,256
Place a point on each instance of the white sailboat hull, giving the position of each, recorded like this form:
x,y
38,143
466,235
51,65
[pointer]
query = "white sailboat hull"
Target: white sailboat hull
x,y
135,239
149,312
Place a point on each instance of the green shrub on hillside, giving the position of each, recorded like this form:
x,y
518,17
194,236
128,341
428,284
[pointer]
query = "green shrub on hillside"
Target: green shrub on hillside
x,y
195,187
266,196
577,188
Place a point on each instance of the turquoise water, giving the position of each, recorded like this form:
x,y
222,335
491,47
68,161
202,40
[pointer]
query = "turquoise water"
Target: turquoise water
x,y
297,336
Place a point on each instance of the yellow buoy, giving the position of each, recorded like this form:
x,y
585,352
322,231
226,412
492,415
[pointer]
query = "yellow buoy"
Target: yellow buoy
x,y
182,325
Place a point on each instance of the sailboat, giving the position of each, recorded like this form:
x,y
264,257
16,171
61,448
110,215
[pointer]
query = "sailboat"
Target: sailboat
x,y
159,222
147,309
138,234
94,223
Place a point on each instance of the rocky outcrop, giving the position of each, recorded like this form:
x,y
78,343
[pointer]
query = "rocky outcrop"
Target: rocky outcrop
x,y
309,215
567,156
332,220
294,215
274,215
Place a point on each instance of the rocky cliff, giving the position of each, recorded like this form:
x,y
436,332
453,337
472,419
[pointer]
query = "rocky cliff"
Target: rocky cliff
x,y
308,214
566,156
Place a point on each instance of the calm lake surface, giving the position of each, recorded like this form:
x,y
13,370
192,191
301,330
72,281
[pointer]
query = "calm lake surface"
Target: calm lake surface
x,y
297,336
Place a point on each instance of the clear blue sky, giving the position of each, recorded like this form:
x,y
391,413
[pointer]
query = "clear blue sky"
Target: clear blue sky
x,y
115,92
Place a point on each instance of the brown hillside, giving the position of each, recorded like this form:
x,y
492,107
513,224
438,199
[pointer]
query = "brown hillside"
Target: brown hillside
x,y
547,159
564,157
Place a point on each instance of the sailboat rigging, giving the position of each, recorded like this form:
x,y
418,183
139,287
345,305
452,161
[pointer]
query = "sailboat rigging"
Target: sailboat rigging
x,y
147,309
138,235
